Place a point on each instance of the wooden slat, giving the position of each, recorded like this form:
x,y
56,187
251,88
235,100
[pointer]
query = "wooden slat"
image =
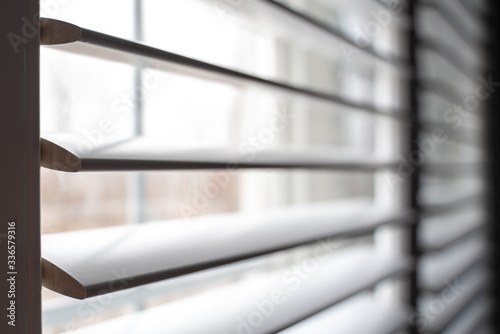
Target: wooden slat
x,y
60,311
282,298
61,152
378,318
439,269
71,38
86,263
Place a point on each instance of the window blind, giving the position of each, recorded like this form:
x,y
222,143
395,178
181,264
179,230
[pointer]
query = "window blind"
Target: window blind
x,y
419,231
444,29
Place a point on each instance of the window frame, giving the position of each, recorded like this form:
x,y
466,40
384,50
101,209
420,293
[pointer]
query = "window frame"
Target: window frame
x,y
20,176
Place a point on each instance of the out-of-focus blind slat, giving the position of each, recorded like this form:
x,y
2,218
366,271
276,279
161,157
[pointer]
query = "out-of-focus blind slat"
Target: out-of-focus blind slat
x,y
451,203
402,64
439,269
150,252
471,318
378,318
474,284
435,236
291,300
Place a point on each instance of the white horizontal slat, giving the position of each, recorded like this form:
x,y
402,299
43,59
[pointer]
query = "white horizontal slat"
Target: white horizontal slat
x,y
468,135
444,311
454,168
441,88
64,153
291,22
449,56
467,19
438,269
287,22
435,65
85,263
452,18
378,318
438,233
440,200
432,25
62,310
71,38
265,303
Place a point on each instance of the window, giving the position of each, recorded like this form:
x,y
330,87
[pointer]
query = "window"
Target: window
x,y
257,166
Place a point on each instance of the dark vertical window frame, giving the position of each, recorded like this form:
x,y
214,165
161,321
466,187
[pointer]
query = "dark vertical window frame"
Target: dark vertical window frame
x,y
20,163
413,187
493,142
